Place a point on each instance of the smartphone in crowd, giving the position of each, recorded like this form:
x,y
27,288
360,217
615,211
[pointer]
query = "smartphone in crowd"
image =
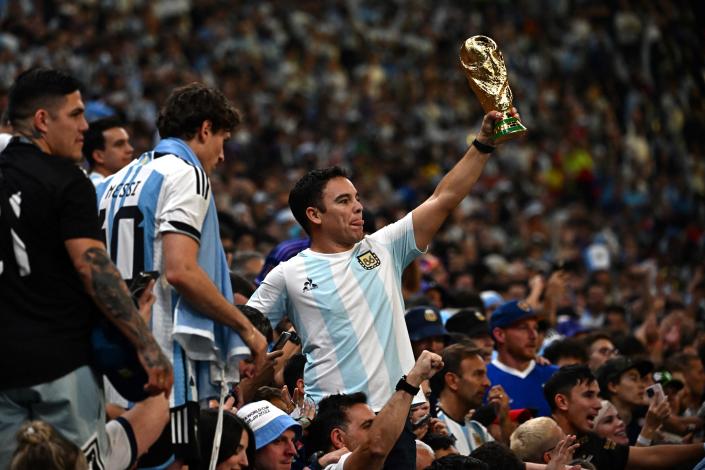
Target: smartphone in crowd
x,y
140,282
655,393
285,336
423,421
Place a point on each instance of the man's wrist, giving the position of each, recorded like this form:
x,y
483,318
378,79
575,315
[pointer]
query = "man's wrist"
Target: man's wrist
x,y
405,386
643,441
482,147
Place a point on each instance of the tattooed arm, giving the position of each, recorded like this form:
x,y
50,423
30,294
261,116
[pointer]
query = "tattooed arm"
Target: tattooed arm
x,y
104,284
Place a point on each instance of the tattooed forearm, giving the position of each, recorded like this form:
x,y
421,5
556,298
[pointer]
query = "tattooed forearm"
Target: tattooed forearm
x,y
112,297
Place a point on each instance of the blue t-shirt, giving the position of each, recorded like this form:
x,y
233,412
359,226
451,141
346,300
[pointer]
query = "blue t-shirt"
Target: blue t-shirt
x,y
525,388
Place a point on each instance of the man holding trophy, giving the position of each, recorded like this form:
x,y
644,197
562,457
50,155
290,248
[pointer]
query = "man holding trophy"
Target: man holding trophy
x,y
361,344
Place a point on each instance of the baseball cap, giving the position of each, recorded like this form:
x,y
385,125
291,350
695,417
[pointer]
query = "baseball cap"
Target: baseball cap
x,y
615,367
491,298
468,321
424,322
509,313
267,422
665,378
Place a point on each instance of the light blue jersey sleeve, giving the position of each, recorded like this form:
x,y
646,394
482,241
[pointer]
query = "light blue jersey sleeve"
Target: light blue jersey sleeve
x,y
270,298
400,240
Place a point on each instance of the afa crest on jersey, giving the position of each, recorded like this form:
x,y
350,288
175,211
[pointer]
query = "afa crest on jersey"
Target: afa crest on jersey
x,y
368,260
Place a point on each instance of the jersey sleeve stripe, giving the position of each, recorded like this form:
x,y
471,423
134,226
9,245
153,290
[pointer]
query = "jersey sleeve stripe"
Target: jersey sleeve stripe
x,y
186,228
198,181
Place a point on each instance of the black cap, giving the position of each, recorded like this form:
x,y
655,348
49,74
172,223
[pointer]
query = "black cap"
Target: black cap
x,y
611,370
470,322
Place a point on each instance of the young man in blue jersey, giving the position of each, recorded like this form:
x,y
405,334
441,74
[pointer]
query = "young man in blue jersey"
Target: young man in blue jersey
x,y
343,294
158,214
514,327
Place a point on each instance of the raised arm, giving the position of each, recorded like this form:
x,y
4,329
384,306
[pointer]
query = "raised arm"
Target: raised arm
x,y
104,284
664,456
389,423
454,186
182,271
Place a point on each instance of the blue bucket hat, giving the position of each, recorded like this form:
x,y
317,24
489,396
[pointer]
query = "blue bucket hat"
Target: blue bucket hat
x,y
267,422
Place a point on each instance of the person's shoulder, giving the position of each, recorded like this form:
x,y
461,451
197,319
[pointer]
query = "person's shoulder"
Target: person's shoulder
x,y
546,369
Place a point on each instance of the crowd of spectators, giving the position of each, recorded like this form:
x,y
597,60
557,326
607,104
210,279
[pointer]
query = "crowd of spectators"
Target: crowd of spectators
x,y
596,218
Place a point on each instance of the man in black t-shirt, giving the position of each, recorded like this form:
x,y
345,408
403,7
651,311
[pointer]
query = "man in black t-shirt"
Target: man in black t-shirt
x,y
572,394
55,274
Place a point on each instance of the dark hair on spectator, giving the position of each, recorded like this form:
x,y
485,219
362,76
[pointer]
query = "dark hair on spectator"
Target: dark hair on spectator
x,y
267,393
565,348
233,427
591,338
308,192
94,139
258,320
189,106
458,462
39,445
294,370
629,345
332,413
680,362
439,441
241,285
35,89
497,456
452,356
564,380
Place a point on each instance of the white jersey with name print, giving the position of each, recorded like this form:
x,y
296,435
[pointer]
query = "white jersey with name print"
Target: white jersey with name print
x,y
468,436
349,311
145,199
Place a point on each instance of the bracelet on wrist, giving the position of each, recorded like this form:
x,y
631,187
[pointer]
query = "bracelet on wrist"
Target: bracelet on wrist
x,y
483,148
405,386
641,440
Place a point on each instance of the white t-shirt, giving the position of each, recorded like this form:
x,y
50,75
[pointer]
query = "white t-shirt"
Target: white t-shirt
x,y
340,464
349,312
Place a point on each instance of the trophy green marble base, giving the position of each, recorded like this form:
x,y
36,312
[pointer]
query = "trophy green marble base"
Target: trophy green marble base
x,y
507,129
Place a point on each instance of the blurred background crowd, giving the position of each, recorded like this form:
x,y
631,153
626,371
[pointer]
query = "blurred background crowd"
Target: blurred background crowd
x,y
609,184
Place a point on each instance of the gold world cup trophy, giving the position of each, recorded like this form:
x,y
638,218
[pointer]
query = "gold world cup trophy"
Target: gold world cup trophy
x,y
487,75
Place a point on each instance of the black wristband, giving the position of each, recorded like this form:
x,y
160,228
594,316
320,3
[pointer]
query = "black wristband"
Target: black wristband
x,y
483,148
405,386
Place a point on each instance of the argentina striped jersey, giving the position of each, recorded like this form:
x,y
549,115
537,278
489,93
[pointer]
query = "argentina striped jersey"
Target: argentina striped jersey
x,y
349,312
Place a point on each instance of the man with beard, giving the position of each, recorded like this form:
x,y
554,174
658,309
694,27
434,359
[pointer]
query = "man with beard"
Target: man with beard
x,y
514,327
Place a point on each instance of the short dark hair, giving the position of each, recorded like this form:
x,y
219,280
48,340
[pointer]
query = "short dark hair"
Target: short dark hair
x,y
187,107
452,356
308,192
564,380
497,456
439,441
38,88
458,462
94,139
332,413
566,347
267,393
258,320
294,370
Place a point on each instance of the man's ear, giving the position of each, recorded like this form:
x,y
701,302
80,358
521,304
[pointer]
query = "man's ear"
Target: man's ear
x,y
451,381
499,335
612,388
336,438
40,121
561,401
98,157
204,131
300,384
312,213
